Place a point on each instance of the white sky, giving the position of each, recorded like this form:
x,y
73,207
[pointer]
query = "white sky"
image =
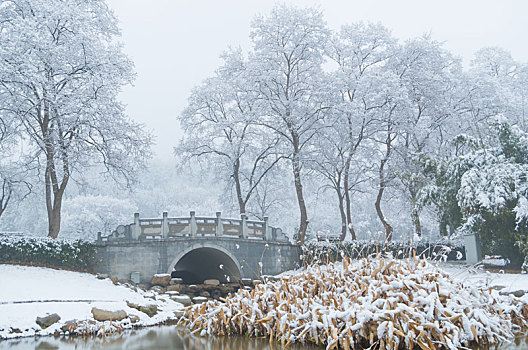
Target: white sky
x,y
175,44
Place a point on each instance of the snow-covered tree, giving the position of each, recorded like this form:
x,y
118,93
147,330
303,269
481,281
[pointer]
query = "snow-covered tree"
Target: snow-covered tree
x,y
430,74
289,46
222,130
493,192
360,52
61,70
85,216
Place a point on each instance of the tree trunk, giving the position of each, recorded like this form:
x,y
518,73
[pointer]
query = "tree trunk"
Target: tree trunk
x,y
54,218
415,216
238,187
343,215
5,195
382,183
347,200
388,228
54,196
303,226
54,190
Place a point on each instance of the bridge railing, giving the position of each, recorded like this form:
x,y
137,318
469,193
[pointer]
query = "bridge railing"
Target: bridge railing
x,y
195,226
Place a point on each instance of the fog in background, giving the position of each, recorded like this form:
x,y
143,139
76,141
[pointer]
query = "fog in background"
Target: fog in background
x,y
177,44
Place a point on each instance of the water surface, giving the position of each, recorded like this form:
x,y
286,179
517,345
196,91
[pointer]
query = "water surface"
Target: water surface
x,y
171,337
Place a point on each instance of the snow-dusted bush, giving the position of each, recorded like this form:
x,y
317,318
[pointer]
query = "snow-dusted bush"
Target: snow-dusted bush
x,y
75,254
324,251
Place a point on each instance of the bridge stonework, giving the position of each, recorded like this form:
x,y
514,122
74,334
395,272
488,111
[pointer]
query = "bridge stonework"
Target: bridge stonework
x,y
198,248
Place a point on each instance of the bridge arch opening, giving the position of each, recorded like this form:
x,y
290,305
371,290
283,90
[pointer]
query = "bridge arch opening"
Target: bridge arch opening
x,y
205,263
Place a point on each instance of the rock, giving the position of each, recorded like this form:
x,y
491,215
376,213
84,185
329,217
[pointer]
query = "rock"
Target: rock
x,y
15,330
518,293
69,326
211,282
161,279
174,281
192,288
179,313
205,293
175,288
171,293
105,315
142,286
46,321
199,300
150,310
224,289
102,276
114,279
132,305
157,289
133,318
498,287
247,281
183,299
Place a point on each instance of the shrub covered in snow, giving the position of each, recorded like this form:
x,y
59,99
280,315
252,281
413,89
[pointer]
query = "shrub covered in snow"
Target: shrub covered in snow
x,y
382,303
75,254
322,251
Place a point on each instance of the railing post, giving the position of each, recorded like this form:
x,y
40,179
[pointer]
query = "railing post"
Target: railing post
x,y
267,229
165,225
136,232
192,224
219,226
244,225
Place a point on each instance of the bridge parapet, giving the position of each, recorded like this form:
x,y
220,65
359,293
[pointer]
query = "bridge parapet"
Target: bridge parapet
x,y
195,226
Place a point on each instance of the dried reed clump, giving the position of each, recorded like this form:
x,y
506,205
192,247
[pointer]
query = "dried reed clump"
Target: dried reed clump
x,y
384,303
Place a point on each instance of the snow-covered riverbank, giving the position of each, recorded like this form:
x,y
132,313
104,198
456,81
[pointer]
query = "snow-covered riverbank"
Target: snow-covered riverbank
x,y
29,292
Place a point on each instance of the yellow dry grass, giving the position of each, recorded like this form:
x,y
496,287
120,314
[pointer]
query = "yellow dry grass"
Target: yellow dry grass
x,y
383,303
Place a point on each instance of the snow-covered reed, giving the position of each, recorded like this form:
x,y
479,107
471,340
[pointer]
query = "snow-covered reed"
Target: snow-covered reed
x,y
381,302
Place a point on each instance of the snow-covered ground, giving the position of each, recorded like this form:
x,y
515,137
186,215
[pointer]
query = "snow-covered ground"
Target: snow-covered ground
x,y
478,277
28,292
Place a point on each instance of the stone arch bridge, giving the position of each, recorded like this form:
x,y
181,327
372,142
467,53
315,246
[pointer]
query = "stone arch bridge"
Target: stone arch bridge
x,y
195,248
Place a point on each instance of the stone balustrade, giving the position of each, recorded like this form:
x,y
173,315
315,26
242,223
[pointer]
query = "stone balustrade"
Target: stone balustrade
x,y
194,226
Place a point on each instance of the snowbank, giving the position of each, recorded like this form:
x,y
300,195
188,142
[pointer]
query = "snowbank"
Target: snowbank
x,y
30,292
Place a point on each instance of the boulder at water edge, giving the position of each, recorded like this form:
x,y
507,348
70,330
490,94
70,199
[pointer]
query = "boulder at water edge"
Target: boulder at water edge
x,y
105,315
46,321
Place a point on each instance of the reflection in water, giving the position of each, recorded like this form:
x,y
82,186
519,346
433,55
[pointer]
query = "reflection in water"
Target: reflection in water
x,y
165,337
520,342
170,337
